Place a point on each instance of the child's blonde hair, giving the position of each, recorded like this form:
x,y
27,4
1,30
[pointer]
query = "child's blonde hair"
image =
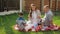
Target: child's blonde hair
x,y
31,9
46,6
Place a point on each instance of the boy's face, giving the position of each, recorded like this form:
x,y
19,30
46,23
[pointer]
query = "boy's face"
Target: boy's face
x,y
46,9
20,15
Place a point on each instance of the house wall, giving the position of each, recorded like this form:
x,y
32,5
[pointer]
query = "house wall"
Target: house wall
x,y
38,4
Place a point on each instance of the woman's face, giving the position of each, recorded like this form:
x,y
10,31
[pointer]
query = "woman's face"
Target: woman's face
x,y
33,7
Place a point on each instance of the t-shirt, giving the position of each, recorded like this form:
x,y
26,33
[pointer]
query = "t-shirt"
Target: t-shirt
x,y
35,15
20,21
48,17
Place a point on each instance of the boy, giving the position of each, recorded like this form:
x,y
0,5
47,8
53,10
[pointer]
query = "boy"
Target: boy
x,y
47,20
21,22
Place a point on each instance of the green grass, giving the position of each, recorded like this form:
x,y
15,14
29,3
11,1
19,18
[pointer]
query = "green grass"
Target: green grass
x,y
7,22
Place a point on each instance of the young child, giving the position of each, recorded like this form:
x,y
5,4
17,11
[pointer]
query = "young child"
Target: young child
x,y
34,15
48,18
21,22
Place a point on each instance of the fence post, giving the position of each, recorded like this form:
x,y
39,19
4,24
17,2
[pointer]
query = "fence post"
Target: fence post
x,y
42,4
20,5
50,3
56,5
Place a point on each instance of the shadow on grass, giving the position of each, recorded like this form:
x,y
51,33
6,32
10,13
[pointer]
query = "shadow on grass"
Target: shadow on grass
x,y
29,32
1,21
8,30
48,32
57,32
25,32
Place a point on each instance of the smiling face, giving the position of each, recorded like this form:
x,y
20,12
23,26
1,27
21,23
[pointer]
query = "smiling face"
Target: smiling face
x,y
33,7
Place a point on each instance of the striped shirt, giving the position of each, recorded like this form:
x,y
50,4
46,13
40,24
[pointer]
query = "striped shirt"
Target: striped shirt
x,y
20,21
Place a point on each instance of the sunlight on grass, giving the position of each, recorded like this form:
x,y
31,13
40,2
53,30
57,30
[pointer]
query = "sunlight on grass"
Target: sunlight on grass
x,y
2,30
7,25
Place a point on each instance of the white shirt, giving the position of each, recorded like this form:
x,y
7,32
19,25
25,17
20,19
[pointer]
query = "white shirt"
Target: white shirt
x,y
35,15
48,17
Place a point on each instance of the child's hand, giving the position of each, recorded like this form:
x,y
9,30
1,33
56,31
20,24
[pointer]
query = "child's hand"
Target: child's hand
x,y
25,25
38,16
16,27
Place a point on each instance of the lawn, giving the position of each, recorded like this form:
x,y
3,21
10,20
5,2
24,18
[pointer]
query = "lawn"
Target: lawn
x,y
8,21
